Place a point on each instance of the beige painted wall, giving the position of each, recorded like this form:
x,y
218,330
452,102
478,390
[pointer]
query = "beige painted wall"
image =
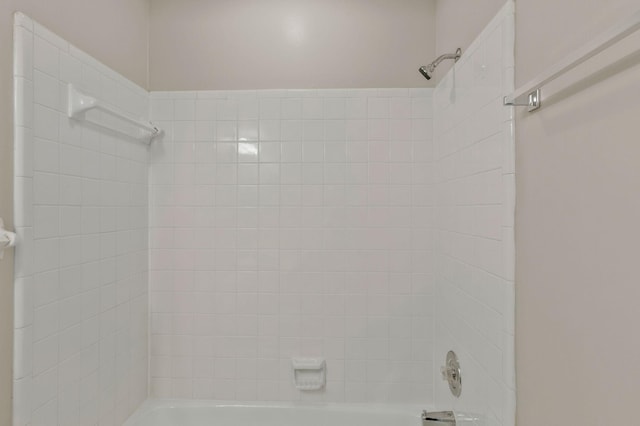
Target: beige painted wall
x,y
115,32
577,231
257,44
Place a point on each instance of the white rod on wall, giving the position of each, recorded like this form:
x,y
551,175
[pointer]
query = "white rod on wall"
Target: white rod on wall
x,y
80,103
529,94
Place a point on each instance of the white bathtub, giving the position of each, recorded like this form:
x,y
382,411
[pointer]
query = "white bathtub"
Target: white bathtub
x,y
204,413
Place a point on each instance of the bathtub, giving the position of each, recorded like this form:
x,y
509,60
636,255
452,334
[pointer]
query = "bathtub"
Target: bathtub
x,y
205,413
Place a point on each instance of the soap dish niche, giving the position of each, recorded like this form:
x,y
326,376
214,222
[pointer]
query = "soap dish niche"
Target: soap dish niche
x,y
309,374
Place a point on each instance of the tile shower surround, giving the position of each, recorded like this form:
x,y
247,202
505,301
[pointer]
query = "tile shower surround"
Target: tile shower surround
x,y
279,223
292,223
474,296
81,300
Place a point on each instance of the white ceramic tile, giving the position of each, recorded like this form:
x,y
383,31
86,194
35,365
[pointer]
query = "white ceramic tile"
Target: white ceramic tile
x,y
46,221
312,108
475,250
23,55
46,56
248,130
22,409
184,109
291,109
45,122
276,205
23,357
378,108
46,288
46,90
248,109
277,227
45,354
61,189
45,322
24,108
270,109
50,37
44,414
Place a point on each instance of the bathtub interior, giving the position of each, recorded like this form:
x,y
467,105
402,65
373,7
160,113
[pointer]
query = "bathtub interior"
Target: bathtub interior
x,y
172,413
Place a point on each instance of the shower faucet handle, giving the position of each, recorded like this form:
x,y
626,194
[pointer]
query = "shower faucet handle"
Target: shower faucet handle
x,y
452,374
444,373
449,373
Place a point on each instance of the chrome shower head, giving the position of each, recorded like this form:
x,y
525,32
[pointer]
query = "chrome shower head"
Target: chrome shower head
x,y
427,70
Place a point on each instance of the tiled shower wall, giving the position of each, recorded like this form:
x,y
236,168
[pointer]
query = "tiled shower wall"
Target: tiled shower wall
x,y
474,150
292,223
81,302
281,224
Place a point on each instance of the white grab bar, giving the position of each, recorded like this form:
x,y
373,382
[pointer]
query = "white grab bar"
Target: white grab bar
x,y
80,103
529,94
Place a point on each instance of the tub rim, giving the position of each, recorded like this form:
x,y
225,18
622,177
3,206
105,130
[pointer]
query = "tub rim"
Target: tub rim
x,y
153,404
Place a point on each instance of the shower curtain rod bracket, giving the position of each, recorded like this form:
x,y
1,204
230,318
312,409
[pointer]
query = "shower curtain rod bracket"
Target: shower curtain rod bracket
x,y
531,91
531,100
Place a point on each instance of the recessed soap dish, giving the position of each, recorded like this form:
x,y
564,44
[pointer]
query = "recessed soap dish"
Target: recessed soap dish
x,y
309,373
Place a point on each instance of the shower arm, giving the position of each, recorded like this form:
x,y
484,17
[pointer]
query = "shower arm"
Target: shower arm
x,y
455,56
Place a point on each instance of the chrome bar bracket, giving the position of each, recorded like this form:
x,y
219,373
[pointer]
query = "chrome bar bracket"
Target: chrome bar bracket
x,y
532,100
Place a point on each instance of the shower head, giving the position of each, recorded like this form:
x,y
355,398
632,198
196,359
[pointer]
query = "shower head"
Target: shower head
x,y
427,70
426,73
